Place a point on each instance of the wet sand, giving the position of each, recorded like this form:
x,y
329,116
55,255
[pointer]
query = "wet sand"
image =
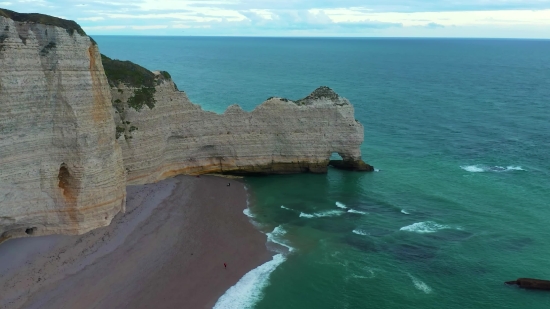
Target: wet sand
x,y
166,251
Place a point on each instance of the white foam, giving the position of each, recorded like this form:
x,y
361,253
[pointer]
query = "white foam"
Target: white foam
x,y
353,211
376,170
473,169
424,227
327,213
283,207
483,168
247,212
420,285
341,205
514,168
369,275
360,232
275,237
249,290
403,211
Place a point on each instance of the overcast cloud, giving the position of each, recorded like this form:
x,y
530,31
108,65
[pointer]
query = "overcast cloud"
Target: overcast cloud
x,y
369,18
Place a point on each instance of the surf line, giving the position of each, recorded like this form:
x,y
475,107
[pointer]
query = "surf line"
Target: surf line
x,y
248,291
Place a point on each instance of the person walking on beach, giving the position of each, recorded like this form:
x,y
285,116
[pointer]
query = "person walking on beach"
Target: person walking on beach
x,y
224,265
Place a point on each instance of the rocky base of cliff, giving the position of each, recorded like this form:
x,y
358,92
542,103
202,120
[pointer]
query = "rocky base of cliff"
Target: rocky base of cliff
x,y
355,165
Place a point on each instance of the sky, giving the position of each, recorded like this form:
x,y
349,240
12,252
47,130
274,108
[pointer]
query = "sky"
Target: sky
x,y
327,18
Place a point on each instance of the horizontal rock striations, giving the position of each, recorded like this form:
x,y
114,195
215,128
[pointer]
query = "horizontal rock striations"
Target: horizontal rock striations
x,y
279,136
60,167
76,127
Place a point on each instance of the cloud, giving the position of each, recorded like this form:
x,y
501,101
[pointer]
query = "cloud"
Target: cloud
x,y
97,18
149,27
434,25
104,28
292,17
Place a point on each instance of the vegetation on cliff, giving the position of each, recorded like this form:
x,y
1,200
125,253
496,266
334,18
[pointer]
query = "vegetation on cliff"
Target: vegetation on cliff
x,y
68,25
142,96
127,72
47,48
322,92
134,76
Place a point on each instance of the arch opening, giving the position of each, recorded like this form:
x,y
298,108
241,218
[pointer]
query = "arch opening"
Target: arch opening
x,y
335,156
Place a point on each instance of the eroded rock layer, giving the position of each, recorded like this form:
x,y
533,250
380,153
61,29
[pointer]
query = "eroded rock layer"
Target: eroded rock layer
x,y
73,134
278,136
60,167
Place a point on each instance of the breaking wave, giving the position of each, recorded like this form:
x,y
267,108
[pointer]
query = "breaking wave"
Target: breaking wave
x,y
283,207
341,205
247,212
275,237
403,211
424,227
485,168
360,232
328,213
353,211
420,285
249,290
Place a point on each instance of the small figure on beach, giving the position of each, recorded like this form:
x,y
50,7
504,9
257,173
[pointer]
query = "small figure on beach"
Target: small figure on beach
x,y
228,184
224,265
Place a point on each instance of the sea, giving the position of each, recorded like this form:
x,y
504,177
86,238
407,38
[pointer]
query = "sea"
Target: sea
x,y
459,133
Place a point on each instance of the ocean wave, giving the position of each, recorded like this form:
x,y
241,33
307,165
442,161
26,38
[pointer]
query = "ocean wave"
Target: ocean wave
x,y
371,274
420,285
360,232
341,205
327,213
479,168
249,290
247,212
275,237
424,227
353,211
283,207
403,211
376,170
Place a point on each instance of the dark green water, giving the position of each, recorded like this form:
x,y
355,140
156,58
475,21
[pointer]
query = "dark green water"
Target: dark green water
x,y
459,130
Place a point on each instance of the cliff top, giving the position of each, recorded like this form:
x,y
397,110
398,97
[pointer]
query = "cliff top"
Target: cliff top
x,y
320,93
68,25
129,73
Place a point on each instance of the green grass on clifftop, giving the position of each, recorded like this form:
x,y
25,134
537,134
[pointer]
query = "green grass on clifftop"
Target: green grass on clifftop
x,y
127,72
322,92
68,25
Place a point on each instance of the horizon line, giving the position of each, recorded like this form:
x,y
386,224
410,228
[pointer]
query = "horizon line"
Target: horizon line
x,y
322,37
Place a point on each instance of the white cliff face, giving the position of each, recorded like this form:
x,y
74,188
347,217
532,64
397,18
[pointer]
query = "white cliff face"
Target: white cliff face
x,y
70,142
279,136
61,169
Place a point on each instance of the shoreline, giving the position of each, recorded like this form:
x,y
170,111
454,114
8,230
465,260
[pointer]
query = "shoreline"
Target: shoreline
x,y
167,250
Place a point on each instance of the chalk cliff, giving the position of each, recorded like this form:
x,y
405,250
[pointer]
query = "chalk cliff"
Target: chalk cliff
x,y
73,134
60,167
278,136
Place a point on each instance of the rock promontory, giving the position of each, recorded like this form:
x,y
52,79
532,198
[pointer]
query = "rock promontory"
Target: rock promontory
x,y
76,127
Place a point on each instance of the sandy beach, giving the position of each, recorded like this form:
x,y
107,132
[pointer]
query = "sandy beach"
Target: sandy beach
x,y
166,251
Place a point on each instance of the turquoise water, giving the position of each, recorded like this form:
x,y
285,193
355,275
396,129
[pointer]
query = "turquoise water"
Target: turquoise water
x,y
459,131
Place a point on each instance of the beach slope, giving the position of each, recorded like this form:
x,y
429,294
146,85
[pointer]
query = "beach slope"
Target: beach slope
x,y
167,251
